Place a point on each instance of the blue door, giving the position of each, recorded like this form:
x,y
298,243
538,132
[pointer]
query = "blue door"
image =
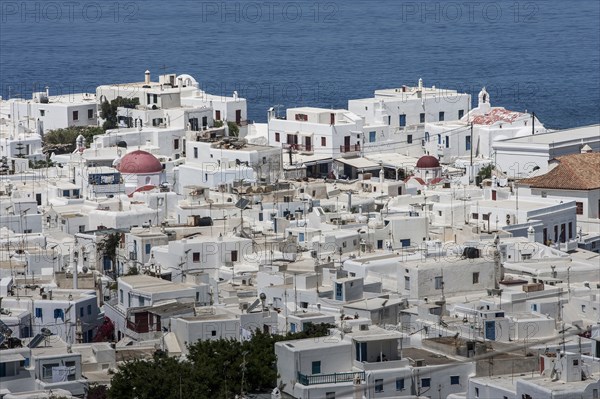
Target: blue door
x,y
338,291
490,330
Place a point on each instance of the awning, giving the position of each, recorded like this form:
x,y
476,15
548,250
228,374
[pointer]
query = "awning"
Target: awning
x,y
11,357
359,163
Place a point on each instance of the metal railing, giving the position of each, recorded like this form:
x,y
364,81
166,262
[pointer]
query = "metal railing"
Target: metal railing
x,y
350,148
334,378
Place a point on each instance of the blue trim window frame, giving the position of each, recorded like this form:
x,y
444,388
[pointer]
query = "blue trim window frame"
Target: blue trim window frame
x,y
378,385
399,384
402,120
372,137
454,380
59,314
316,367
425,382
39,313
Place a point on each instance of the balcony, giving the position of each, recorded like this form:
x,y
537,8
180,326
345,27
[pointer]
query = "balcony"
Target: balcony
x,y
349,149
334,378
299,148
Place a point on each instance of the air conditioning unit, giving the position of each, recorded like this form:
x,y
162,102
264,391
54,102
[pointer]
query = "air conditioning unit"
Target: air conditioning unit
x,y
364,327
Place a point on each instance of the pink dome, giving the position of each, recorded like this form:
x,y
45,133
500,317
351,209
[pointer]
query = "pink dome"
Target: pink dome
x,y
139,162
427,162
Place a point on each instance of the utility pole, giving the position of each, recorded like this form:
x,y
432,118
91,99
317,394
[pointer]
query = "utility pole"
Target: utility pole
x,y
471,148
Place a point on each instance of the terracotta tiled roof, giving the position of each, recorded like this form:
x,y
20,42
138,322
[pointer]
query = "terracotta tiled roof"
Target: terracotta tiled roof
x,y
497,115
573,172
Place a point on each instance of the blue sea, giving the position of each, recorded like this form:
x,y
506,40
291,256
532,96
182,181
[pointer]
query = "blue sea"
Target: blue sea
x,y
540,56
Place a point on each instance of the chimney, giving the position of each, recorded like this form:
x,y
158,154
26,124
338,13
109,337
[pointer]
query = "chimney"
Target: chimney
x,y
586,149
420,84
531,234
147,77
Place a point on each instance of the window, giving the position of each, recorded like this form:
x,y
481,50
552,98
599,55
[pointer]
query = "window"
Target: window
x,y
148,248
439,282
447,142
409,139
75,115
330,395
461,113
89,309
579,208
372,137
534,307
583,308
316,367
39,313
218,115
570,230
42,112
467,143
422,117
425,382
476,392
121,297
142,301
195,152
213,333
427,137
196,257
402,121
476,278
323,141
399,384
407,283
81,311
379,385
575,362
59,314
277,137
475,216
439,139
176,144
301,117
441,116
91,113
454,380
486,216
47,370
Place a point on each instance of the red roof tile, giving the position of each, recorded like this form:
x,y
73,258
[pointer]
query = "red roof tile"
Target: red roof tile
x,y
573,172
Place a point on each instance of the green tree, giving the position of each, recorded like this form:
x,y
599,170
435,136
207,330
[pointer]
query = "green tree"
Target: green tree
x,y
485,172
213,369
108,245
234,129
108,111
62,141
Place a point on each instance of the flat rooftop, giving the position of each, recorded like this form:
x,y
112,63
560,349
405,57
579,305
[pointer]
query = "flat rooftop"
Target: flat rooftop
x,y
579,133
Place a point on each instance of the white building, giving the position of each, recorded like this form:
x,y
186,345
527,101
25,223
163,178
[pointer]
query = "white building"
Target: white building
x,y
576,178
454,139
212,163
315,136
395,118
520,156
45,112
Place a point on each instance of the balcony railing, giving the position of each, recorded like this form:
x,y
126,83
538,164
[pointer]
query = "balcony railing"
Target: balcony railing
x,y
349,148
334,378
299,148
